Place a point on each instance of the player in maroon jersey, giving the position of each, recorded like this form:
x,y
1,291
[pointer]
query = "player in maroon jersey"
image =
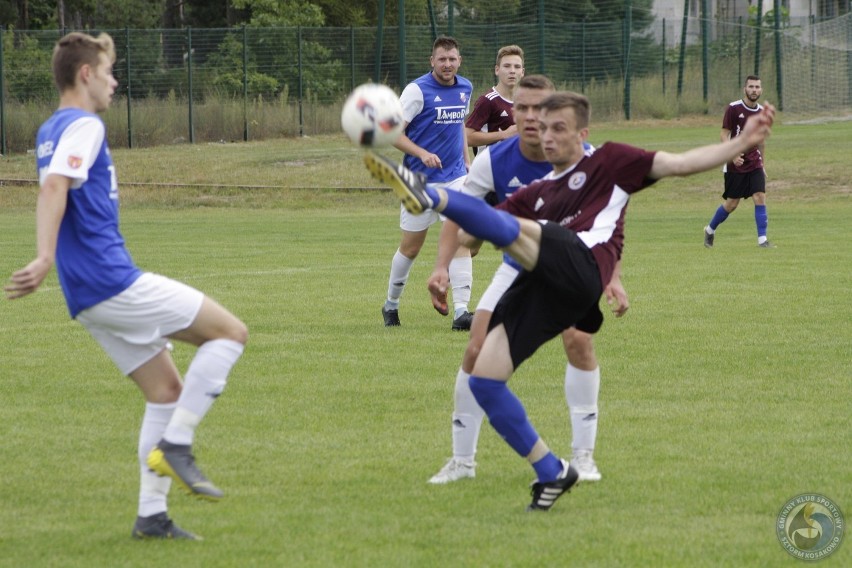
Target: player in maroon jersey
x,y
566,231
491,119
744,175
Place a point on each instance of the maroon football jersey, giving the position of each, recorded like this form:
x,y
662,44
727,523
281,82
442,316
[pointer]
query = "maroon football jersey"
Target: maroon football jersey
x,y
491,113
735,118
590,199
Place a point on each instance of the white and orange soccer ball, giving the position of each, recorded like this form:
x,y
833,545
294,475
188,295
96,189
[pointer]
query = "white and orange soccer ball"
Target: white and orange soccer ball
x,y
372,116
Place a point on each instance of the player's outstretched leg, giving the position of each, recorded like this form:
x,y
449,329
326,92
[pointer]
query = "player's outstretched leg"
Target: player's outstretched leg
x,y
177,461
472,214
410,187
160,526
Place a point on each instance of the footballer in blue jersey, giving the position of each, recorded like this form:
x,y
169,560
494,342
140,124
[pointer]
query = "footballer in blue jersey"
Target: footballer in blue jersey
x,y
434,143
501,169
92,265
132,314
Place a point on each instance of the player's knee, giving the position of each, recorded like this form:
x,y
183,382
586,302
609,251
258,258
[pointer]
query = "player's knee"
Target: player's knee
x,y
164,392
470,355
580,350
238,332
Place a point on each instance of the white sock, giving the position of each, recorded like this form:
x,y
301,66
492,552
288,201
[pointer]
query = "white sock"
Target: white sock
x,y
153,489
461,279
204,382
400,269
467,420
581,394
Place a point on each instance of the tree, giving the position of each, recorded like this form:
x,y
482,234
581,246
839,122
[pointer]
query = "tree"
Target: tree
x,y
281,13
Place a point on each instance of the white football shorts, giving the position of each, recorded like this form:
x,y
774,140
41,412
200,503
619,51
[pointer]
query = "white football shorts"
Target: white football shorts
x,y
422,221
132,327
503,278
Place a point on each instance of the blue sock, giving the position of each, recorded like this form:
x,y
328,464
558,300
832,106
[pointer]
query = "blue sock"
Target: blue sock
x,y
761,219
506,413
478,218
548,468
718,217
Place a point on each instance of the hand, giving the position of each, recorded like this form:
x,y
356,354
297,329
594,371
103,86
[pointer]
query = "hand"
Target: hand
x,y
739,160
509,132
615,293
438,284
431,161
759,127
28,279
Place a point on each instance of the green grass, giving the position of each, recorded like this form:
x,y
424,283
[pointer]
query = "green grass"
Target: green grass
x,y
725,389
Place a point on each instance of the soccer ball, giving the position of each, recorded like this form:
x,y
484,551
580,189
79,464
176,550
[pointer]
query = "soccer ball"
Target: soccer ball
x,y
372,116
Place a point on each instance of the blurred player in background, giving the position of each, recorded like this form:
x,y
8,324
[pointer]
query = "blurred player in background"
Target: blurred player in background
x,y
744,175
434,107
503,168
491,119
130,313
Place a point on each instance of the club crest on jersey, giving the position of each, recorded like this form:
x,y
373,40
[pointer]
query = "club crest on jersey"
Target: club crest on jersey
x,y
577,180
463,97
75,162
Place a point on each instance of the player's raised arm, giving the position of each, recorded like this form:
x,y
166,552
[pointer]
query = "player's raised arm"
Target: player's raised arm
x,y
755,133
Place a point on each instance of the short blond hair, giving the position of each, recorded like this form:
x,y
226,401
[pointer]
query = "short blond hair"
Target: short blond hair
x,y
73,51
509,50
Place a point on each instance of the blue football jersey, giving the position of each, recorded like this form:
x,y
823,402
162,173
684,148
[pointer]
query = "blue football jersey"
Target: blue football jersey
x,y
435,114
91,259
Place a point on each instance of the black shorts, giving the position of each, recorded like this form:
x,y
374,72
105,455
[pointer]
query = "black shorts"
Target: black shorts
x,y
743,186
562,291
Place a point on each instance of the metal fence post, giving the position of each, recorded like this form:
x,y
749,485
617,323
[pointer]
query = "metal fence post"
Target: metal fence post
x,y
583,54
740,49
189,72
778,55
848,62
705,55
403,75
3,149
245,85
663,60
129,90
812,20
757,33
681,60
541,47
351,58
627,24
380,41
299,63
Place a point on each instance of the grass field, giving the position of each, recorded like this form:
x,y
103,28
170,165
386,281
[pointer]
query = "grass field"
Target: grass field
x,y
726,389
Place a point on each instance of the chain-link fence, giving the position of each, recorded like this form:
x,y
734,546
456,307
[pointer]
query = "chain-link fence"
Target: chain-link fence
x,y
193,85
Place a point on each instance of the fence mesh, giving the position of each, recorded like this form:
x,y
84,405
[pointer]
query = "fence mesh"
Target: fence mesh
x,y
188,85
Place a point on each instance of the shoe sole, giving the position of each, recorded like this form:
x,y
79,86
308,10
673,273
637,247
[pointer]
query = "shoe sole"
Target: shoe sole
x,y
589,477
384,173
434,481
160,465
139,535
